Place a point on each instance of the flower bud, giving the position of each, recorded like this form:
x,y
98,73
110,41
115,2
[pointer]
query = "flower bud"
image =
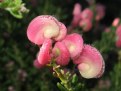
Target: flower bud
x,y
77,9
116,22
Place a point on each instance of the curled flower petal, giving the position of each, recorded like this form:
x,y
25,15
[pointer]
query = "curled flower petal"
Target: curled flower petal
x,y
90,63
61,54
44,53
41,28
62,33
74,43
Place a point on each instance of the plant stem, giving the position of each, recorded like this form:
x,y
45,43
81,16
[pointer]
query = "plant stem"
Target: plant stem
x,y
63,77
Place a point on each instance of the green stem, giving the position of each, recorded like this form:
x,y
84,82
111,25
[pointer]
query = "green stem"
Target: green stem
x,y
64,80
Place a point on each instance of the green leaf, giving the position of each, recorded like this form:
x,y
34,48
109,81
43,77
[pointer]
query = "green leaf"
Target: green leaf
x,y
61,87
74,79
16,8
79,87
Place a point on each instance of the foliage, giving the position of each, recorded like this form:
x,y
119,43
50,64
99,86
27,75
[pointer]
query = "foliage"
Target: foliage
x,y
17,53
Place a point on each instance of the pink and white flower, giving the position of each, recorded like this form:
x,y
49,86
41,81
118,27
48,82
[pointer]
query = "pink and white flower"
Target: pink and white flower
x,y
90,63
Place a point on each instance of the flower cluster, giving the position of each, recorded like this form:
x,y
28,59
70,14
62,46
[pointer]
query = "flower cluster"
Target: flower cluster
x,y
85,18
116,23
116,27
54,43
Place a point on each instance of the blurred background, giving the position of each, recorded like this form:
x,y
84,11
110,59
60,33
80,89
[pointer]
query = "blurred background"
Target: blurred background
x,y
17,53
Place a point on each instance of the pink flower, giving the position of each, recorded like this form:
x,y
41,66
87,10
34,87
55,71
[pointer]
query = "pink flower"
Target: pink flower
x,y
44,56
76,15
77,9
116,22
44,27
90,63
76,20
100,12
74,43
87,14
61,53
86,24
118,35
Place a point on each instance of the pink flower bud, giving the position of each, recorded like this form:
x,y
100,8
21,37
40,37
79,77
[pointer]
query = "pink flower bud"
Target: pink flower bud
x,y
76,20
77,9
44,53
90,63
74,43
118,35
87,14
62,33
100,12
116,22
37,64
41,28
61,54
86,24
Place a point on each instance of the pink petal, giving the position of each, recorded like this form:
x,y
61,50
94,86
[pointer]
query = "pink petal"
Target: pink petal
x,y
116,22
74,43
75,21
86,24
87,14
77,9
62,33
61,54
90,63
42,27
37,64
44,53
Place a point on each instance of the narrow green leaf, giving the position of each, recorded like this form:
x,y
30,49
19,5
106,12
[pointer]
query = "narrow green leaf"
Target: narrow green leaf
x,y
61,87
